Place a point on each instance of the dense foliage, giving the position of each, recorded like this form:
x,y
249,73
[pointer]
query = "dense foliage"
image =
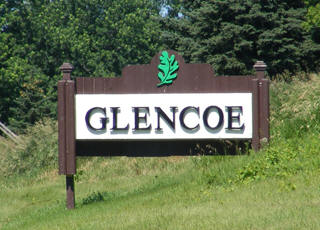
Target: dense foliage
x,y
231,35
312,23
98,37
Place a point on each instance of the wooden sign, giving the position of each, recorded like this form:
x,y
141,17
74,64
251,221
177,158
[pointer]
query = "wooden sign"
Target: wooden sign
x,y
164,101
163,116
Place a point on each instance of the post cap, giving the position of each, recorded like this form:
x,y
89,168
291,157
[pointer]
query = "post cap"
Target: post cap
x,y
260,66
66,68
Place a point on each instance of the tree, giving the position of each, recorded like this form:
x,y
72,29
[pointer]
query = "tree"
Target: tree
x,y
231,35
167,7
312,23
99,37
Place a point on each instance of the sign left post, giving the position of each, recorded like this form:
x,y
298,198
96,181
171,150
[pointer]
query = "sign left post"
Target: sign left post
x,y
66,135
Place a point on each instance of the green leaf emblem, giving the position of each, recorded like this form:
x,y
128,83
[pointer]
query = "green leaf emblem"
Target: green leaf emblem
x,y
168,65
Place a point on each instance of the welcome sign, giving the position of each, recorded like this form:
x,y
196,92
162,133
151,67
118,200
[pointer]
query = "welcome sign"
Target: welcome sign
x,y
159,109
164,116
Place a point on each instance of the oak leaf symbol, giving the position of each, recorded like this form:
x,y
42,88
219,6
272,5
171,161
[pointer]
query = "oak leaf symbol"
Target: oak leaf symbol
x,y
168,65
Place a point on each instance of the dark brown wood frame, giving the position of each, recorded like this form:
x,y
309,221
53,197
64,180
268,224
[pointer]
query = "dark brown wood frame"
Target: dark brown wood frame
x,y
192,78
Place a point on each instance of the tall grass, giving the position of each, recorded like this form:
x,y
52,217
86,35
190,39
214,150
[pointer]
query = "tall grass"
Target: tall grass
x,y
36,153
295,131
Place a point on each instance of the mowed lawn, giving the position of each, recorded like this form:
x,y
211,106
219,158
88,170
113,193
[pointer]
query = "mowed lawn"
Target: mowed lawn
x,y
172,196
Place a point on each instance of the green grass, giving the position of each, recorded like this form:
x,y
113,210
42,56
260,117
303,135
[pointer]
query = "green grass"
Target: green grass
x,y
277,188
154,201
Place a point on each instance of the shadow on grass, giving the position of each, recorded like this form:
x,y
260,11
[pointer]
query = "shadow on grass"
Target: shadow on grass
x,y
155,186
221,147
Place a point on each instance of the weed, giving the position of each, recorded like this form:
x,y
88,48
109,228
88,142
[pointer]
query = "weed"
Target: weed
x,y
93,197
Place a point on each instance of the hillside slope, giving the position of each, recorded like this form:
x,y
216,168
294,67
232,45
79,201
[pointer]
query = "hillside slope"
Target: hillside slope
x,y
277,188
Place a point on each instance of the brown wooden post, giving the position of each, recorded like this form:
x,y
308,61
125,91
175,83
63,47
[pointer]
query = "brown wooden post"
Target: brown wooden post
x,y
255,143
70,192
66,123
62,127
263,101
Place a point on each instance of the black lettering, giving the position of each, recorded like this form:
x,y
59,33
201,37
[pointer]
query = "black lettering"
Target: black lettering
x,y
164,116
235,118
103,120
182,116
206,115
115,111
141,119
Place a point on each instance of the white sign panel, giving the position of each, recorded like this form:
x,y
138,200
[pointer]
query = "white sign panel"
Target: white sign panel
x,y
163,116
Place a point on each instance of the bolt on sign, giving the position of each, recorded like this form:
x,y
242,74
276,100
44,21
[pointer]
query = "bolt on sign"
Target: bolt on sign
x,y
160,109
